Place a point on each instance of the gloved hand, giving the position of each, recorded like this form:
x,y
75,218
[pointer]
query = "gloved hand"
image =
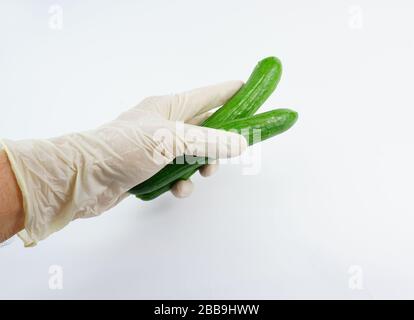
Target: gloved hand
x,y
83,174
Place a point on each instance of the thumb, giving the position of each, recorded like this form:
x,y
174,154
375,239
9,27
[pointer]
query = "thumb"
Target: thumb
x,y
211,143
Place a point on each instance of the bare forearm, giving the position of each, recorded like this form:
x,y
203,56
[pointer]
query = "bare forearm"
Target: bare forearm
x,y
11,207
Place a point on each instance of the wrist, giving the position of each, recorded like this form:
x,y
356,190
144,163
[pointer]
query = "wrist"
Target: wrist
x,y
11,204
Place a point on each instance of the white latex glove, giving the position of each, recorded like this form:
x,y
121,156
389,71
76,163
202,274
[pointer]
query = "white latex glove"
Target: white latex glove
x,y
83,174
184,188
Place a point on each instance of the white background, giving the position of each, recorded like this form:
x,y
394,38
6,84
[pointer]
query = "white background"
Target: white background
x,y
333,202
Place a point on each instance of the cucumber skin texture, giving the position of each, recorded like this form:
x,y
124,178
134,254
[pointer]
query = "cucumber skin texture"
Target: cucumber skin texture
x,y
260,85
268,123
156,193
251,96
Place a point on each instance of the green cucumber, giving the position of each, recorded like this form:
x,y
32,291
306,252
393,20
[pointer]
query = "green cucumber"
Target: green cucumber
x,y
260,85
154,194
255,129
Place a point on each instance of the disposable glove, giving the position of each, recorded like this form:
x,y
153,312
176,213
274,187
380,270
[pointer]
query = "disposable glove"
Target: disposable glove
x,y
81,175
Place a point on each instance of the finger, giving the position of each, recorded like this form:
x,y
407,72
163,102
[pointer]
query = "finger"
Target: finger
x,y
211,143
182,188
187,105
208,169
197,120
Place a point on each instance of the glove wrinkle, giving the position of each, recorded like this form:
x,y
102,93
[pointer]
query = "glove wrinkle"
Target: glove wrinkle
x,y
82,175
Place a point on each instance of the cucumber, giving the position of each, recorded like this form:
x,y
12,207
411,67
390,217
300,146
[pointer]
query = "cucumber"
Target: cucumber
x,y
260,85
155,194
267,125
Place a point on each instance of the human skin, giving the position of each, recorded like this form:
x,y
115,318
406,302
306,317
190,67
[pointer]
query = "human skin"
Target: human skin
x,y
11,203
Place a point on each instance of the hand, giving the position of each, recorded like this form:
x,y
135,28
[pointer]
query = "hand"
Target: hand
x,y
84,174
11,206
184,188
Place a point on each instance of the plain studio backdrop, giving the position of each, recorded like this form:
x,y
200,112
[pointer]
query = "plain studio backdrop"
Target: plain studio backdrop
x,y
330,212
